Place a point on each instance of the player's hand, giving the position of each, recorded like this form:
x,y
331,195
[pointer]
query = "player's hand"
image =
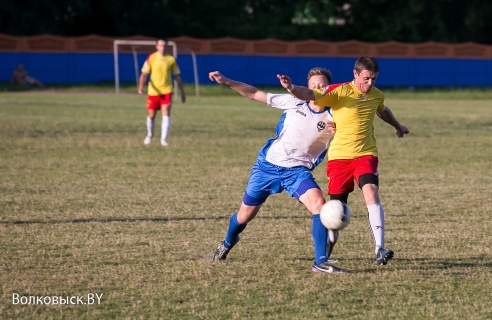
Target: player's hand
x,y
331,126
140,91
402,131
217,77
285,81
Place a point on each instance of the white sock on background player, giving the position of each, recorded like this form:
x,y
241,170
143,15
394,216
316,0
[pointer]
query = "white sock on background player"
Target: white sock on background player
x,y
150,127
150,130
166,125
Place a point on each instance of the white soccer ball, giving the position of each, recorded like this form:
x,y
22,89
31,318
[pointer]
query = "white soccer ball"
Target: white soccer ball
x,y
335,215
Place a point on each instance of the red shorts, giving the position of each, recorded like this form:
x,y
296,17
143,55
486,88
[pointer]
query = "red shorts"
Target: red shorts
x,y
341,173
155,102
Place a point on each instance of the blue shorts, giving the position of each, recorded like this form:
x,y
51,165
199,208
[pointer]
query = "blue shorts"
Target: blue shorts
x,y
267,179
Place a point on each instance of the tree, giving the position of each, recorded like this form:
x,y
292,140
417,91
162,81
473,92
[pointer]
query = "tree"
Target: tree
x,y
334,20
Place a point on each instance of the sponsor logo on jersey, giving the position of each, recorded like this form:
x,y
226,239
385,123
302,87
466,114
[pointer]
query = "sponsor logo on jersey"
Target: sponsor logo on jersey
x,y
301,113
321,126
361,96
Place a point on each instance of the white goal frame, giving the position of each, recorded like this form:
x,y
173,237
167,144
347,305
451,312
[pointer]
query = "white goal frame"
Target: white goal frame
x,y
136,43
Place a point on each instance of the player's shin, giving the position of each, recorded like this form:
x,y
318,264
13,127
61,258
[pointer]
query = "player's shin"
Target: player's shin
x,y
166,125
332,239
320,236
376,223
150,127
233,232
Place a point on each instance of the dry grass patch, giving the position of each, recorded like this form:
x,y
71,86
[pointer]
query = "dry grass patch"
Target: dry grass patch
x,y
86,208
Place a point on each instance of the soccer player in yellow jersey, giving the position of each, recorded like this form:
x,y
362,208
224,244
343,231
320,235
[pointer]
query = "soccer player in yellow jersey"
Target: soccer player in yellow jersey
x,y
353,153
161,68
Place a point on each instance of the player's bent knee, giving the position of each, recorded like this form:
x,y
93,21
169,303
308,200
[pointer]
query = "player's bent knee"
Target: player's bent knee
x,y
313,200
251,201
368,178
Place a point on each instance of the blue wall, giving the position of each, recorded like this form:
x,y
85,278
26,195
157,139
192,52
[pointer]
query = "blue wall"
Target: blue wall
x,y
74,68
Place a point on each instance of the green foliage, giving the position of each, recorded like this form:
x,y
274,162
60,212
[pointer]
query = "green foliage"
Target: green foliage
x,y
332,20
85,208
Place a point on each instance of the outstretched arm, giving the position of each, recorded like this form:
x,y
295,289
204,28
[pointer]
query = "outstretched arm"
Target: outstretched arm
x,y
388,117
242,88
298,92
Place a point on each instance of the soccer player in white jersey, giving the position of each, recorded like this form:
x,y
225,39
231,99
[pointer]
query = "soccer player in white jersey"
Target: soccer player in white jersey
x,y
285,163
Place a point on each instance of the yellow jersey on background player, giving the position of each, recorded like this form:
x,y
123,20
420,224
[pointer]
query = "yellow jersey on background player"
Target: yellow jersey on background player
x,y
160,67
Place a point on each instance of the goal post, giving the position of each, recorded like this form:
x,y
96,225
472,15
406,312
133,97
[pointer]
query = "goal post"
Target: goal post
x,y
134,44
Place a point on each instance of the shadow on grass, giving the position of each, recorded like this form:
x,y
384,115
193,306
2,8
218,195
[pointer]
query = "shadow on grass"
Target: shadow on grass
x,y
448,264
424,266
155,219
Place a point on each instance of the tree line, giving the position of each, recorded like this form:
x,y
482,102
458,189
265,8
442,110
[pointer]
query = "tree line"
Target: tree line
x,y
448,21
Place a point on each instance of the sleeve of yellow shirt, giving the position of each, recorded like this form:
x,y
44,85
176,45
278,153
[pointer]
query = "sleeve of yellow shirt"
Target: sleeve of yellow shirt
x,y
327,97
145,68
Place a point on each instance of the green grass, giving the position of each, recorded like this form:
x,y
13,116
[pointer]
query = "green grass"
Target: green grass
x,y
86,208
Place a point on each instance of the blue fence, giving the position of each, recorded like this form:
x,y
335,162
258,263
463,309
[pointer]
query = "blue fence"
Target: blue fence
x,y
77,68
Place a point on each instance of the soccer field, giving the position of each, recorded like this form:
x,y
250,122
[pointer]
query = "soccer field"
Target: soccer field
x,y
118,230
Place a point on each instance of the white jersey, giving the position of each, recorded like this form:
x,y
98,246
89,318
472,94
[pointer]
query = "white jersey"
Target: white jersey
x,y
302,138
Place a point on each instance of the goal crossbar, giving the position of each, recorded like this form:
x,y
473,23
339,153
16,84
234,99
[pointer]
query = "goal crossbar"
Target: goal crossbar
x,y
172,44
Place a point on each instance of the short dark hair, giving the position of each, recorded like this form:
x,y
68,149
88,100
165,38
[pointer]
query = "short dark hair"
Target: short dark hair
x,y
366,63
319,72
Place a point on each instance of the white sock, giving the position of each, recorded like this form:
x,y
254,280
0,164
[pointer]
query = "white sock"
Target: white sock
x,y
376,223
166,125
333,235
150,127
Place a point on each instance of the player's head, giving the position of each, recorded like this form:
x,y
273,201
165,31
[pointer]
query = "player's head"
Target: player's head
x,y
318,78
160,45
366,71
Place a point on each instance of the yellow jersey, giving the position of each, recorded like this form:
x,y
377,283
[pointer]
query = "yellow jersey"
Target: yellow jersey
x,y
353,113
160,68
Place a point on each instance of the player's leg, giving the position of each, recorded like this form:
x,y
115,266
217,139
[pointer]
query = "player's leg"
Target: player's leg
x,y
376,222
237,224
166,124
367,178
313,200
375,212
166,104
308,193
37,82
334,234
153,106
239,221
340,184
150,126
260,185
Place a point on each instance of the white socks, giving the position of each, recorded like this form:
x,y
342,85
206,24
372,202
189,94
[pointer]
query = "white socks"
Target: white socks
x,y
376,223
166,125
333,235
150,127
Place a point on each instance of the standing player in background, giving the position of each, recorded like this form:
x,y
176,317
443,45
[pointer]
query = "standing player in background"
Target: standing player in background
x,y
353,152
286,161
161,67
